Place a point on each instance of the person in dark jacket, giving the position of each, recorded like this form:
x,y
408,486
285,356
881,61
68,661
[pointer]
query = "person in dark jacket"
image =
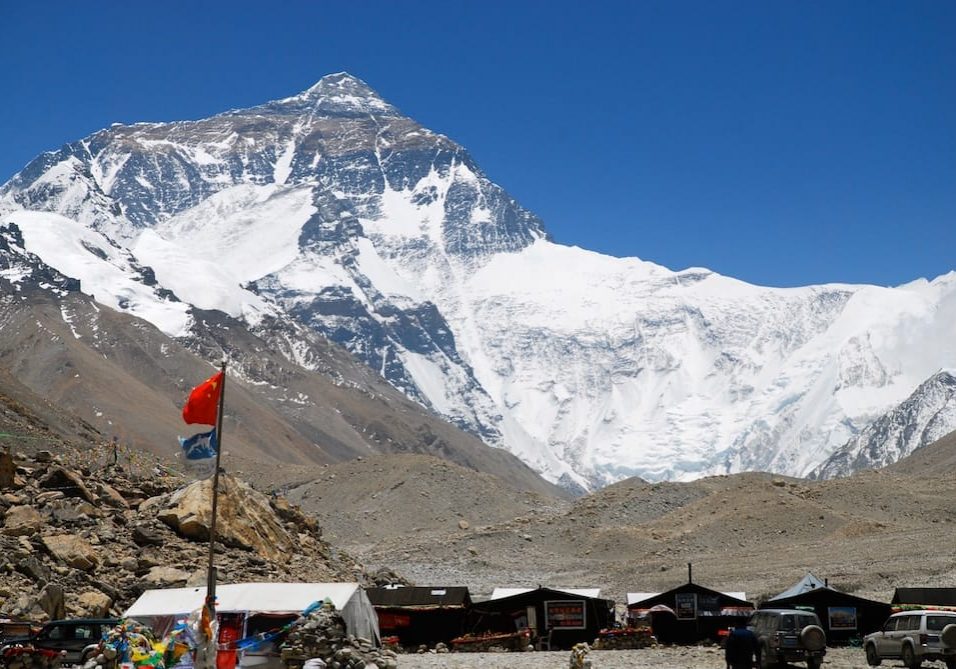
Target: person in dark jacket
x,y
740,647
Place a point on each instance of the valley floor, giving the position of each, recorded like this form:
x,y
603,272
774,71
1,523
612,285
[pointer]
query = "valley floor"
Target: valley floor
x,y
674,657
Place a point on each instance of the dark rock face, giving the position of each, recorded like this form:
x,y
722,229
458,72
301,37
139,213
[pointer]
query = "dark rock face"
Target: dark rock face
x,y
925,416
13,256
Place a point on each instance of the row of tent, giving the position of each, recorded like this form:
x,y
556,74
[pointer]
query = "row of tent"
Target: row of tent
x,y
687,613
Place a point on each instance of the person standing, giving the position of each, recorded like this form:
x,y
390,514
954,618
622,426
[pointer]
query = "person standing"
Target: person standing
x,y
740,647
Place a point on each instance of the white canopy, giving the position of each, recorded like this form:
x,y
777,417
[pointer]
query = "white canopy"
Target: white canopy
x,y
251,598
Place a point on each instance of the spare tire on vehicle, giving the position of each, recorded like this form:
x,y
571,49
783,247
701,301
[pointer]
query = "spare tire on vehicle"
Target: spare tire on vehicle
x,y
813,638
948,636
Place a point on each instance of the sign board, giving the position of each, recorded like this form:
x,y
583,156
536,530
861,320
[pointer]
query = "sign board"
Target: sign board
x,y
565,614
842,617
685,605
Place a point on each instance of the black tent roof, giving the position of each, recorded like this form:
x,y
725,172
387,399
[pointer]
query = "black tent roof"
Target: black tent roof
x,y
924,597
533,595
722,597
411,597
820,594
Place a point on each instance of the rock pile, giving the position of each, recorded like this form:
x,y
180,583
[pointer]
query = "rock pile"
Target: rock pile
x,y
81,540
27,657
579,657
322,635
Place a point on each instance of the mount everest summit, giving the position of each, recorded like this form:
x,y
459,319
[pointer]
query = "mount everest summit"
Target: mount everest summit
x,y
332,212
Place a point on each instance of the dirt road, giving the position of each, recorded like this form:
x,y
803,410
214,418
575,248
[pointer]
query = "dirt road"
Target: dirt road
x,y
648,658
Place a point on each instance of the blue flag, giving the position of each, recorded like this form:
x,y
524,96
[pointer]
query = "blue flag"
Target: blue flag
x,y
199,452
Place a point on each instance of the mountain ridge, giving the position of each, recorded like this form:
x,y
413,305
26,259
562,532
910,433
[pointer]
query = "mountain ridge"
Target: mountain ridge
x,y
388,239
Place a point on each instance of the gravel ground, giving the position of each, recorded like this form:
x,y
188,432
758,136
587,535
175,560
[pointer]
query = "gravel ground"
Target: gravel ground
x,y
674,657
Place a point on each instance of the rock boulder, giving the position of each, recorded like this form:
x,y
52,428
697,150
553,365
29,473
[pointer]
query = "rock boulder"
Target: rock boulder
x,y
72,550
246,519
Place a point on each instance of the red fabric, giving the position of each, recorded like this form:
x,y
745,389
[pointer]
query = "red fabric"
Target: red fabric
x,y
230,630
204,401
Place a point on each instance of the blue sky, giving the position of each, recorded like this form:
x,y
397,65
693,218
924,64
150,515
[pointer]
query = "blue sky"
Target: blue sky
x,y
783,143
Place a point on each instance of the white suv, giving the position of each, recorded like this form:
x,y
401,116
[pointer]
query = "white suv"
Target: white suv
x,y
914,636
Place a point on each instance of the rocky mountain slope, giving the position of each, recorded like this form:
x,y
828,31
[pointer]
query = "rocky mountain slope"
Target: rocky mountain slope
x,y
923,418
940,456
751,532
331,213
124,378
83,538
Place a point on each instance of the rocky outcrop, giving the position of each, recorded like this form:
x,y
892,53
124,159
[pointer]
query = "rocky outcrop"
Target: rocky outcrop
x,y
245,518
75,542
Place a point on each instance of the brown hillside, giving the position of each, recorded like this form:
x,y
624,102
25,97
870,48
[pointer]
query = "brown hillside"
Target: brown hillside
x,y
126,379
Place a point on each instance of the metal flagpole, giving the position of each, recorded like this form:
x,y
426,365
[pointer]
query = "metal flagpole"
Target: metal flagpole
x,y
211,575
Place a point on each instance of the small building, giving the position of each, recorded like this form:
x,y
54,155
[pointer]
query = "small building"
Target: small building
x,y
420,615
842,615
688,613
924,598
556,618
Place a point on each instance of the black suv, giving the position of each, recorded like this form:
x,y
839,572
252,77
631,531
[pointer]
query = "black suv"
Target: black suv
x,y
785,635
78,638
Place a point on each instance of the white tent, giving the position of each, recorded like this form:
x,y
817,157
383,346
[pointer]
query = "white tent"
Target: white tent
x,y
805,584
159,608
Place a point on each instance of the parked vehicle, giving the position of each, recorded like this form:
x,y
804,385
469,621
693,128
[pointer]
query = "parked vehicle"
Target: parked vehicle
x,y
788,635
913,637
77,639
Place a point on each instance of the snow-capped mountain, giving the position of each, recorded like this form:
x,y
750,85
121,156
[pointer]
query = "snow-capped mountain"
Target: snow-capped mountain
x,y
925,416
331,210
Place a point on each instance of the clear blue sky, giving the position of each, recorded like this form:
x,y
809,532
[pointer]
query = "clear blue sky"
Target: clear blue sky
x,y
780,142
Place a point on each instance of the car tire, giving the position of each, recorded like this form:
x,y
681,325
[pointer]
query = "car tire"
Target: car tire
x,y
950,662
909,657
813,638
872,658
948,636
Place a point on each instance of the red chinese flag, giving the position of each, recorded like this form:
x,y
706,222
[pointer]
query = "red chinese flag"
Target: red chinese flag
x,y
204,401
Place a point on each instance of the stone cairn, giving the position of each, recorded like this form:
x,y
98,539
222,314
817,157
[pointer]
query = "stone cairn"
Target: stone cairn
x,y
321,635
579,656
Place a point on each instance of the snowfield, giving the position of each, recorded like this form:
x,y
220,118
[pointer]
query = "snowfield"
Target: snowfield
x,y
332,209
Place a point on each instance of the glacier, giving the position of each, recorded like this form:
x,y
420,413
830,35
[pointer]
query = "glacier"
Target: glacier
x,y
332,209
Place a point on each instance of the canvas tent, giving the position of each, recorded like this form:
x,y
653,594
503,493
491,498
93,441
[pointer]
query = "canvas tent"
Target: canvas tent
x,y
562,617
843,616
924,598
689,612
257,608
421,615
805,584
